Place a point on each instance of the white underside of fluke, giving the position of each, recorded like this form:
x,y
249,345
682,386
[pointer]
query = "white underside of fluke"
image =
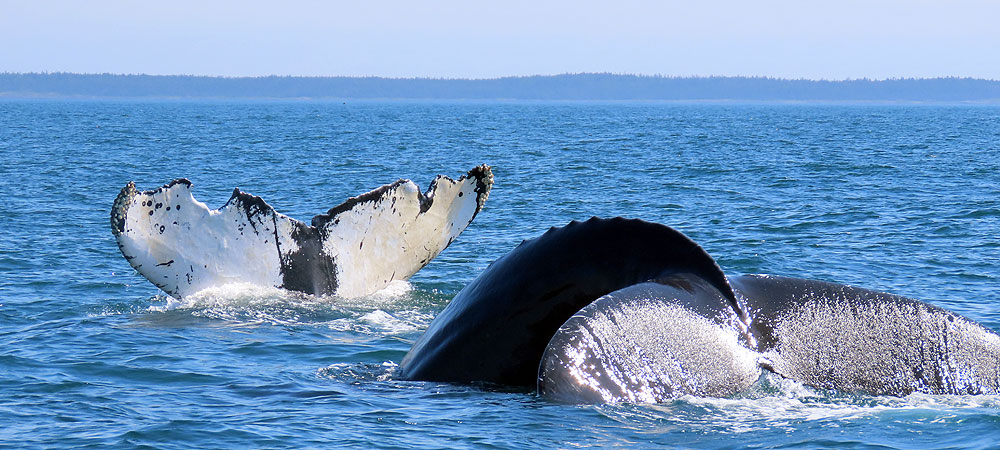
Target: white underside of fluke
x,y
377,242
357,248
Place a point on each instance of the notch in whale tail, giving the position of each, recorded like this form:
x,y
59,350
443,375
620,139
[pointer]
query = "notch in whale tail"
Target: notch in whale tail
x,y
496,329
356,248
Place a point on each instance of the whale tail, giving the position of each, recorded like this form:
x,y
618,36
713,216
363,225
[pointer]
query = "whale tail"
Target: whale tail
x,y
354,249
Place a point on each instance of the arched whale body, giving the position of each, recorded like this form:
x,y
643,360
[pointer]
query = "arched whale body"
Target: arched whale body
x,y
496,329
356,248
625,310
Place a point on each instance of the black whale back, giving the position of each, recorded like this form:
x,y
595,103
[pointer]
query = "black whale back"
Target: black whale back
x,y
496,329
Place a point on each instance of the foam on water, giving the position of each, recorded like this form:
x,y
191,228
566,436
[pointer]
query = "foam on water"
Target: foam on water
x,y
358,372
392,310
778,403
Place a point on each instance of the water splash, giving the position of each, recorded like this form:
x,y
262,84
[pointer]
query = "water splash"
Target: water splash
x,y
396,309
351,373
778,403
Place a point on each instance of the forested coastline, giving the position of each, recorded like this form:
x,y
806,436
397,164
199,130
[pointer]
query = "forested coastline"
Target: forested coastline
x,y
586,86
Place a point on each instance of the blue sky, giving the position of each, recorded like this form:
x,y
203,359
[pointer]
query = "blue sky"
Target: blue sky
x,y
468,39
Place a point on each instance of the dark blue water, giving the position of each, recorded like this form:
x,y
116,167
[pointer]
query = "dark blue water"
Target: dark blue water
x,y
898,198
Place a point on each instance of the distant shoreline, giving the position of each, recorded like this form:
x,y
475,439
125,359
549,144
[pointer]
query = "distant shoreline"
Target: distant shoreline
x,y
585,87
9,97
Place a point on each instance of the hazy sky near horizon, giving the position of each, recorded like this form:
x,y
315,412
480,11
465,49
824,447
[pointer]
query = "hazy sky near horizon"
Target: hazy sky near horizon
x,y
467,39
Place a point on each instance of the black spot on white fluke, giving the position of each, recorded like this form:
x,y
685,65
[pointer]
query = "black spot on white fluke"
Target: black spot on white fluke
x,y
247,241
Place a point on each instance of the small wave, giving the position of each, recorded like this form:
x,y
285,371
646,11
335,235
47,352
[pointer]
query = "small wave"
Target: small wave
x,y
358,372
387,322
379,322
393,310
980,213
249,294
777,402
233,294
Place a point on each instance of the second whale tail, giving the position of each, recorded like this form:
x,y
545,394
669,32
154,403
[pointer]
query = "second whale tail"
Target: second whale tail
x,y
182,246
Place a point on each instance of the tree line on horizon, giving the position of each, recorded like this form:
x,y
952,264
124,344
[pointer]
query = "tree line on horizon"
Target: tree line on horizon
x,y
585,86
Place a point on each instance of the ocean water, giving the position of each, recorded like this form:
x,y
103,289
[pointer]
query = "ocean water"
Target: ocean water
x,y
901,198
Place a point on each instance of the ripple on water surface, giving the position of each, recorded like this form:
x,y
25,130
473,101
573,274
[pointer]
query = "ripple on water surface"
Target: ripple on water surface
x,y
899,198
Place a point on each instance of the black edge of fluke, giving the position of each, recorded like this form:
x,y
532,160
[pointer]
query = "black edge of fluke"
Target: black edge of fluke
x,y
373,195
483,175
496,329
251,205
119,209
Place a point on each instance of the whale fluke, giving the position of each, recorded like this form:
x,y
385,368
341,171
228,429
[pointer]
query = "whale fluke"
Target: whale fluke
x,y
354,249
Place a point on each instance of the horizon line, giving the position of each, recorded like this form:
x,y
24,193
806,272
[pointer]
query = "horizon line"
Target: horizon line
x,y
505,77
